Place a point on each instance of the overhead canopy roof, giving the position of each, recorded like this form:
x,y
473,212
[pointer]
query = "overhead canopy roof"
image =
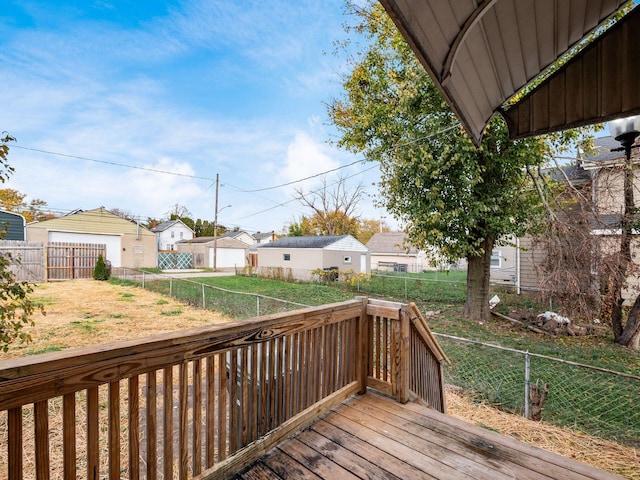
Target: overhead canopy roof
x,y
481,52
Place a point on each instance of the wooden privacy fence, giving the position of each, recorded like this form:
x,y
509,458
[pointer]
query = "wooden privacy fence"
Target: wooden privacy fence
x,y
36,262
208,401
69,261
26,259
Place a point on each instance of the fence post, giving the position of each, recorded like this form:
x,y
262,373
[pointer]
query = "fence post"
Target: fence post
x,y
257,306
401,339
204,304
143,279
527,375
406,293
170,287
362,348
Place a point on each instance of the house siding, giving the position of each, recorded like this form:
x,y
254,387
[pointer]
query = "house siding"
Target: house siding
x,y
13,224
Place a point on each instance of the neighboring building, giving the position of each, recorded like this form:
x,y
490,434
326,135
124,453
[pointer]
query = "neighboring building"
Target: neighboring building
x,y
170,232
128,244
229,252
241,235
299,256
391,251
260,238
12,226
600,179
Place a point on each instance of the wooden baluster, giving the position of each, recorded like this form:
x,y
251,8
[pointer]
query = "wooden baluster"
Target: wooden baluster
x,y
152,427
15,443
93,430
222,406
41,413
184,420
197,417
210,423
167,394
134,428
114,430
69,435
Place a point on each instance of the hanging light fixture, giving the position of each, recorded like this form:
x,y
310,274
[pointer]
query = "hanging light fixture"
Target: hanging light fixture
x,y
625,131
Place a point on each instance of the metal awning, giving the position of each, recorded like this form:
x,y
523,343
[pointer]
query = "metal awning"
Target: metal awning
x,y
480,53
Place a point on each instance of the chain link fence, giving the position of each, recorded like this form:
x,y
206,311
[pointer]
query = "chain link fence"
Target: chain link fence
x,y
587,399
238,305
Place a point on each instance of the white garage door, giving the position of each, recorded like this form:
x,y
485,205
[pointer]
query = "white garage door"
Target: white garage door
x,y
227,257
114,247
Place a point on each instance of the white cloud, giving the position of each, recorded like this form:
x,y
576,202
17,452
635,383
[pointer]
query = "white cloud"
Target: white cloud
x,y
306,157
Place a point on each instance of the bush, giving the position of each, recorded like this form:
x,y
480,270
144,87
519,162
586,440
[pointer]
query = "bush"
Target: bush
x,y
101,271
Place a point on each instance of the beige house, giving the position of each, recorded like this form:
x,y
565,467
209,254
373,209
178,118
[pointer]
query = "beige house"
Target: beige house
x,y
128,244
600,177
391,251
297,257
230,253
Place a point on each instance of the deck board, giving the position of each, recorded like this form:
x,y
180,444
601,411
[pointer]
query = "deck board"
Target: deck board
x,y
373,436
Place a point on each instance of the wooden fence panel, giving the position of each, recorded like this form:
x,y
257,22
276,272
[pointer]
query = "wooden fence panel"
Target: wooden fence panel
x,y
69,261
27,259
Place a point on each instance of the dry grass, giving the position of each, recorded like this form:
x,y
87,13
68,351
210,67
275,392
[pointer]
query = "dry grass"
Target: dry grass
x,y
610,456
90,312
86,312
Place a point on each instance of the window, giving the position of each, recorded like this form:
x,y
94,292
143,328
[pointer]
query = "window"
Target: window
x,y
287,257
138,249
496,258
347,259
173,234
181,235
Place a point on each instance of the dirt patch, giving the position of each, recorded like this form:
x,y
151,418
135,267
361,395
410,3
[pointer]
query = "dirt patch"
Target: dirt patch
x,y
88,312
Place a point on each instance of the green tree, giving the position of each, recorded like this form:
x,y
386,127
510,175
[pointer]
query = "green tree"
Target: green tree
x,y
367,228
447,193
100,271
16,306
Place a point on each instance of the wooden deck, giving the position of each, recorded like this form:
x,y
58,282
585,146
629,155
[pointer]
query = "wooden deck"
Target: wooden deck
x,y
374,437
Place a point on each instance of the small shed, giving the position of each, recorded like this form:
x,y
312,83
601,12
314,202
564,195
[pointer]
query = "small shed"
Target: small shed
x,y
12,226
230,253
299,256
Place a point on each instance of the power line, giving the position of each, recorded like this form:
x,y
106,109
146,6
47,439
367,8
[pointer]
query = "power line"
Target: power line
x,y
154,170
302,179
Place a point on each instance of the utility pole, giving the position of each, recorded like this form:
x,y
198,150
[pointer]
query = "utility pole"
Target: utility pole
x,y
215,229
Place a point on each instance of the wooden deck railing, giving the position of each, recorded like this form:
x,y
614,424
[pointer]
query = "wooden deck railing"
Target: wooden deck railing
x,y
205,402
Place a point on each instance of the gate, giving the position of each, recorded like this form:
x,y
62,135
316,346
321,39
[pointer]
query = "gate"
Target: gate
x,y
69,261
171,260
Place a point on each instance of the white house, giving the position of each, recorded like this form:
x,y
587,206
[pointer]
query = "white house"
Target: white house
x,y
170,232
297,257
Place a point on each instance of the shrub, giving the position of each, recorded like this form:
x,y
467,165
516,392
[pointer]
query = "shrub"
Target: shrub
x,y
100,271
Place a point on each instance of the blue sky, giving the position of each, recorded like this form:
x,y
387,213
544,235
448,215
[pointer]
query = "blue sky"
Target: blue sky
x,y
193,87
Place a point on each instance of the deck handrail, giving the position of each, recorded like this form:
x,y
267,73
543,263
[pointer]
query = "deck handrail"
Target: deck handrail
x,y
228,392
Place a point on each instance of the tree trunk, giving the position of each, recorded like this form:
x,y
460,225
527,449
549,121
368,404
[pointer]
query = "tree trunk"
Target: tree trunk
x,y
630,335
478,275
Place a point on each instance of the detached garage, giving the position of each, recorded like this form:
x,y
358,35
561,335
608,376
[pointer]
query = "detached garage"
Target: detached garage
x,y
128,244
229,252
297,257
